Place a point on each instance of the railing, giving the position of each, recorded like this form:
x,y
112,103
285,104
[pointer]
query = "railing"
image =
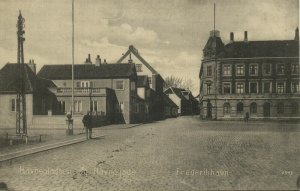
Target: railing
x,y
82,90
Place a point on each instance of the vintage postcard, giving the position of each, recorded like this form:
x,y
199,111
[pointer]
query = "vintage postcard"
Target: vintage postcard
x,y
149,95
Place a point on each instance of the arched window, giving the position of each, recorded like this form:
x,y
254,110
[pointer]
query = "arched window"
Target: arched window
x,y
295,109
226,108
240,107
280,108
253,108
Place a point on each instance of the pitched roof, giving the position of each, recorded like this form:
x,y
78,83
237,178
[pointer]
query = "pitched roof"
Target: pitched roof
x,y
9,80
87,71
168,101
135,52
142,81
251,49
177,91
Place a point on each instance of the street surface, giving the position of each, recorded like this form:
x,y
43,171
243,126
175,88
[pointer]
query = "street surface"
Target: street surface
x,y
176,154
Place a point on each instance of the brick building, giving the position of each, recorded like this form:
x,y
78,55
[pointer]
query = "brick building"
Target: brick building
x,y
258,77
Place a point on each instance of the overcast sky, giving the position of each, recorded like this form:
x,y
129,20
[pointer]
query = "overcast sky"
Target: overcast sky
x,y
169,34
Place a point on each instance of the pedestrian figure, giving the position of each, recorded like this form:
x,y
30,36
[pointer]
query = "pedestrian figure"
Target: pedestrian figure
x,y
246,117
87,122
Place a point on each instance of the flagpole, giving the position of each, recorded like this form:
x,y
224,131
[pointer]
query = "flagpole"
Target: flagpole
x,y
72,104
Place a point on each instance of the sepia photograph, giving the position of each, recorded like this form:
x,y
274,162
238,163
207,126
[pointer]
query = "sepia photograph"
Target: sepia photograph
x,y
154,95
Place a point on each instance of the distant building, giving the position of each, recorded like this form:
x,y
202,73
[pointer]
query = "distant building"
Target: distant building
x,y
258,77
40,100
105,89
187,104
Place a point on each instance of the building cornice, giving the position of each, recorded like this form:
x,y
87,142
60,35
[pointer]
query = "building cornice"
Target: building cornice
x,y
253,58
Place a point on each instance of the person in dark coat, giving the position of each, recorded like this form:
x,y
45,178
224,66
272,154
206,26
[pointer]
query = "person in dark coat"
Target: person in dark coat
x,y
88,124
246,117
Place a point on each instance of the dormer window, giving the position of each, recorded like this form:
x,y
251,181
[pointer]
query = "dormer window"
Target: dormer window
x,y
138,67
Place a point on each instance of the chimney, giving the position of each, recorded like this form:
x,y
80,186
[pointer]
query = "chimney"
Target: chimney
x,y
98,60
246,36
32,65
231,37
88,60
297,34
104,61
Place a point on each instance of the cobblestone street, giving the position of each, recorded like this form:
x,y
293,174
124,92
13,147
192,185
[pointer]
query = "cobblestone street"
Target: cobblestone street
x,y
176,154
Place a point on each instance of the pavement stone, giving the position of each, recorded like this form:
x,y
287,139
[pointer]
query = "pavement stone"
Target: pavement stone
x,y
158,156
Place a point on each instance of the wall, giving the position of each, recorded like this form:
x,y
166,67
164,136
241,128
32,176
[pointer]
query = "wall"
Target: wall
x,y
7,117
121,95
177,101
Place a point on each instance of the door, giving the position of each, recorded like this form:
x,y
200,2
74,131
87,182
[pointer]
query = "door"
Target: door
x,y
267,109
209,110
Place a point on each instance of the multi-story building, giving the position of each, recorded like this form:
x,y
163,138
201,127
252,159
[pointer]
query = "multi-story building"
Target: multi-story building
x,y
105,89
258,77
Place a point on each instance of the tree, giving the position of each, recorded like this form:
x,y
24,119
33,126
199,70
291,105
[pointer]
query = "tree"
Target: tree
x,y
174,81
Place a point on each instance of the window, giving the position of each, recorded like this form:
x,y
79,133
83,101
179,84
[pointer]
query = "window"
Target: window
x,y
253,69
226,88
77,84
226,70
208,89
14,105
240,70
280,108
267,87
132,86
253,87
119,85
239,88
226,108
240,107
295,69
150,80
280,68
294,109
62,106
93,105
280,87
85,84
295,87
253,108
138,67
209,71
267,69
120,107
77,106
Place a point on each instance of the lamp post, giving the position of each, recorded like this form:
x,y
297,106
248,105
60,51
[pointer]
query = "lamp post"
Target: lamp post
x,y
69,120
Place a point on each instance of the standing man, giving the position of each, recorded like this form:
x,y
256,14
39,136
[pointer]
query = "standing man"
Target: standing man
x,y
87,122
246,117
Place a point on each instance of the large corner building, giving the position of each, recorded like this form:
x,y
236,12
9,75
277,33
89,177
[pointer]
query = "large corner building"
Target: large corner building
x,y
258,77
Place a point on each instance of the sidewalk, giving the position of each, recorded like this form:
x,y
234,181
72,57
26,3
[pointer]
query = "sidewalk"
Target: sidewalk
x,y
55,138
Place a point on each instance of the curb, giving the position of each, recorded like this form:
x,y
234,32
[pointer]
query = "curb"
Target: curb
x,y
10,157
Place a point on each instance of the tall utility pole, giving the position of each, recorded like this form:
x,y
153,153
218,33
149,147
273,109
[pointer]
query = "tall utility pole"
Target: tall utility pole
x,y
21,122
